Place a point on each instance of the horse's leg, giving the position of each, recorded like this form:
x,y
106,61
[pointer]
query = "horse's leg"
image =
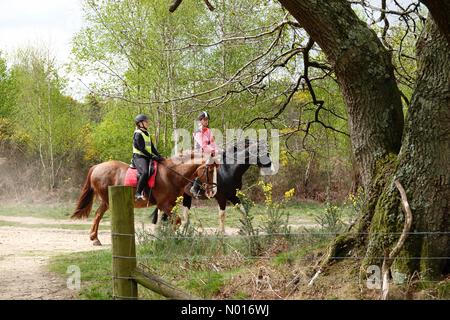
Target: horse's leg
x,y
94,229
222,206
166,207
185,221
160,218
187,202
154,216
221,221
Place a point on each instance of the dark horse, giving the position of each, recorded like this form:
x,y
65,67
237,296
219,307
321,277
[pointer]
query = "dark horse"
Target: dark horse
x,y
235,162
172,176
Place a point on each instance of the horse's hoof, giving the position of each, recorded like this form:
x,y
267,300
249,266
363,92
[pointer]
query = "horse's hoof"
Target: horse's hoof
x,y
96,243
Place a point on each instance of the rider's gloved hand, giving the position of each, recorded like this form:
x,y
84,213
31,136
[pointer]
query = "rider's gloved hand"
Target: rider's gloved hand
x,y
158,158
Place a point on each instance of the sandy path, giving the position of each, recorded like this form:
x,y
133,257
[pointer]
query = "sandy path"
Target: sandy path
x,y
25,253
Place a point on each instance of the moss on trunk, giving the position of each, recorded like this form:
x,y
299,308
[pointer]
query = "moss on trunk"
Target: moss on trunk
x,y
365,75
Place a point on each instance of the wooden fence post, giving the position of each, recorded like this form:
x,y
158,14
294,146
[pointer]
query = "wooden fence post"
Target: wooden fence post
x,y
123,242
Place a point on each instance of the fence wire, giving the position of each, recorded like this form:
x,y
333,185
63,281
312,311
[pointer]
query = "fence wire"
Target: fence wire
x,y
182,250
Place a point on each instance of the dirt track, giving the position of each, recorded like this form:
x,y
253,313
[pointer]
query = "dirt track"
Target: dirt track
x,y
25,252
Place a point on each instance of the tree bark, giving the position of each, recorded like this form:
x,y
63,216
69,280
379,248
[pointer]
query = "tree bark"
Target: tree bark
x,y
423,166
440,11
420,162
365,75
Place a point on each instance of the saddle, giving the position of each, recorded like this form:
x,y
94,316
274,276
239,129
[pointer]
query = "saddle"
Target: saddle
x,y
132,176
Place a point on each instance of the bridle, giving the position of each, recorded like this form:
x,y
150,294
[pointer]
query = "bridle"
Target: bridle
x,y
204,186
208,185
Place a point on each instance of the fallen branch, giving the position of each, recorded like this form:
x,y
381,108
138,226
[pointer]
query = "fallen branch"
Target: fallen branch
x,y
315,277
389,258
160,286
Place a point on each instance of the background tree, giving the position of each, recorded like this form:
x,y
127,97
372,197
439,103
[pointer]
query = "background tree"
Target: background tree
x,y
42,120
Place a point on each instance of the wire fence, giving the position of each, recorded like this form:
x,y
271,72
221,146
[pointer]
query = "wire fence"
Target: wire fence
x,y
212,255
274,257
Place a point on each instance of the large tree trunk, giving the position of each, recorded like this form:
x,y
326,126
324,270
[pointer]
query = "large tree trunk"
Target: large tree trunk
x,y
440,11
423,167
365,74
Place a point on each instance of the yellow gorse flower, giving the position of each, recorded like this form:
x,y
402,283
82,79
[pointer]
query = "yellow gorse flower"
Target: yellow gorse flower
x,y
289,194
178,203
239,193
353,199
179,200
284,160
267,189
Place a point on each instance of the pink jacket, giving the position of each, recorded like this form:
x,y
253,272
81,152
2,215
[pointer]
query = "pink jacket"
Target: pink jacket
x,y
204,141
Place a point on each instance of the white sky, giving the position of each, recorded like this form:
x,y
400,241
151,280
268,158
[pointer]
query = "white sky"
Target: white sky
x,y
40,23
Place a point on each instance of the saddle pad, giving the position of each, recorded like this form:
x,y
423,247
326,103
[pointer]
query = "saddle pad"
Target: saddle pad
x,y
131,177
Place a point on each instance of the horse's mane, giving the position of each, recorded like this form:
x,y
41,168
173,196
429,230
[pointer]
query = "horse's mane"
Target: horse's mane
x,y
246,142
185,156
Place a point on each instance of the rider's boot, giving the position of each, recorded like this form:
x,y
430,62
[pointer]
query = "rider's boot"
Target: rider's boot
x,y
195,189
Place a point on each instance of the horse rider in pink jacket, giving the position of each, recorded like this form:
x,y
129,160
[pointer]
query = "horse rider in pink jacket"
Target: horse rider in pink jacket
x,y
204,142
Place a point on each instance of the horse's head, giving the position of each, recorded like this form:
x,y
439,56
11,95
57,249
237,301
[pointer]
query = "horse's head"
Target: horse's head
x,y
263,159
207,174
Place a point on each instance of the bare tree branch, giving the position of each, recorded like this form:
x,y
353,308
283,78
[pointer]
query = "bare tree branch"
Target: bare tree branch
x,y
209,5
176,3
389,257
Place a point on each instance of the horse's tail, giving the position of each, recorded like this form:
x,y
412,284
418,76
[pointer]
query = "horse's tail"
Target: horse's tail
x,y
84,205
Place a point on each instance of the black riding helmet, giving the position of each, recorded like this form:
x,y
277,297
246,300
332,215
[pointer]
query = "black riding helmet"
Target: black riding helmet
x,y
140,117
203,115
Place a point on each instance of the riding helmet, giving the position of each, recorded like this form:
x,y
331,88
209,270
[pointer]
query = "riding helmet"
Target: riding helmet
x,y
140,117
203,115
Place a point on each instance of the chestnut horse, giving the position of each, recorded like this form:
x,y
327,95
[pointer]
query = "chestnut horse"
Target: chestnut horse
x,y
172,177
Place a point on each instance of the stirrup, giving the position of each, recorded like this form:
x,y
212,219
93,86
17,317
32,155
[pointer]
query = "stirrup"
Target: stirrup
x,y
138,197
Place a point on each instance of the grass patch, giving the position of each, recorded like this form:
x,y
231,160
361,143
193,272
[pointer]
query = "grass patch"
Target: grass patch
x,y
203,216
443,290
10,224
95,267
299,213
202,265
54,211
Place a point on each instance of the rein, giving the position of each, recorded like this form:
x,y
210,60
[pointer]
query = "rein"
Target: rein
x,y
190,180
